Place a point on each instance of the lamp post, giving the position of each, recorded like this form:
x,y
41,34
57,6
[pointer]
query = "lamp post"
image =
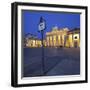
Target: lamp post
x,y
42,27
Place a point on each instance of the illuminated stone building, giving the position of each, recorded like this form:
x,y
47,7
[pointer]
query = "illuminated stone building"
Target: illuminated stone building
x,y
32,41
55,38
63,38
73,38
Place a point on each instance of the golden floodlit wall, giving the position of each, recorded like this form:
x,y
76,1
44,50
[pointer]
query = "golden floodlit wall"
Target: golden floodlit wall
x,y
57,38
76,38
33,43
73,39
63,38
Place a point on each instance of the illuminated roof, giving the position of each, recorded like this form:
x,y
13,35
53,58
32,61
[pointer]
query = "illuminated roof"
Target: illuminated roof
x,y
75,30
31,36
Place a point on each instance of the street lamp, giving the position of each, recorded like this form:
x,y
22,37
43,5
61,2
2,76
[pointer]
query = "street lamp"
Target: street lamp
x,y
42,27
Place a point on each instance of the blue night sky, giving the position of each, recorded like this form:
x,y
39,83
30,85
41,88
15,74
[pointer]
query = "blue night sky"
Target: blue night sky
x,y
31,20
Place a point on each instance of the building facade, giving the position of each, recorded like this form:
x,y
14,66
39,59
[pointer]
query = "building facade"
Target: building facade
x,y
63,37
55,38
32,41
73,38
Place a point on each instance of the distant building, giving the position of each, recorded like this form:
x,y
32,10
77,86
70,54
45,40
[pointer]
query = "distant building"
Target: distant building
x,y
63,37
32,41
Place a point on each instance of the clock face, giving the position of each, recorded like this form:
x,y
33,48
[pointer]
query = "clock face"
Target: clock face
x,y
42,26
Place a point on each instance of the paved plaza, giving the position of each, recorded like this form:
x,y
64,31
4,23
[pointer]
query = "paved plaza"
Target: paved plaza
x,y
57,61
